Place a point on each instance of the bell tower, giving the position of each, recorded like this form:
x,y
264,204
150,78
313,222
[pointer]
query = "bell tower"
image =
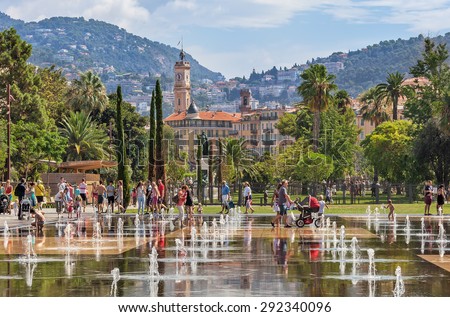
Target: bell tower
x,y
182,87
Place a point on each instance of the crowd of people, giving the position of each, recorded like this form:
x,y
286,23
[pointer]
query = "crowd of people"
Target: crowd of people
x,y
150,197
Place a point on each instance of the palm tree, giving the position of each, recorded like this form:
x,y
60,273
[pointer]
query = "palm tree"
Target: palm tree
x,y
391,91
342,100
88,93
86,141
373,109
240,158
316,91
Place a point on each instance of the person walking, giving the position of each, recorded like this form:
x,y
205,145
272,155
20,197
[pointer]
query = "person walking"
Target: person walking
x,y
189,203
94,194
276,205
82,188
248,198
284,199
19,192
119,199
225,196
182,195
322,205
9,193
155,195
140,194
440,200
428,197
162,194
101,190
110,194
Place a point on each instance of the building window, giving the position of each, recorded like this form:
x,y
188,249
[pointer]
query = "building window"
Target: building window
x,y
362,122
361,136
179,101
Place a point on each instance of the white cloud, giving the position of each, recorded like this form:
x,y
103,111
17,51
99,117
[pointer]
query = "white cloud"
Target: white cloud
x,y
156,17
128,14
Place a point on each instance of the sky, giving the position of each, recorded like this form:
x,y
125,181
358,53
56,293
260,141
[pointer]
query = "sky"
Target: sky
x,y
236,36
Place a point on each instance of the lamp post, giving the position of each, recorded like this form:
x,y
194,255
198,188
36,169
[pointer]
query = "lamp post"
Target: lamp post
x,y
8,132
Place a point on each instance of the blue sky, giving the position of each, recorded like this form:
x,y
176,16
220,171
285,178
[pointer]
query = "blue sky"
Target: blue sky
x,y
235,36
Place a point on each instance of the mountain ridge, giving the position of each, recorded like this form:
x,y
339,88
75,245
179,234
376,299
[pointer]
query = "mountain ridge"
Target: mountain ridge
x,y
82,44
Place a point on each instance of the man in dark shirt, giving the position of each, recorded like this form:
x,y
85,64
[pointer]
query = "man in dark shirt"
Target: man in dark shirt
x,y
19,192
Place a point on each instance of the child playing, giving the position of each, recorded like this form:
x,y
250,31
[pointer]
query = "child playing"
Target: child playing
x,y
322,205
39,219
77,205
200,208
391,209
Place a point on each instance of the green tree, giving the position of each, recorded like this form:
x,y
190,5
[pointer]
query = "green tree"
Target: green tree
x,y
199,169
297,125
388,148
316,91
123,167
136,137
151,140
239,158
314,167
373,109
338,141
433,60
160,162
342,100
85,140
391,91
39,144
25,82
54,91
432,153
88,94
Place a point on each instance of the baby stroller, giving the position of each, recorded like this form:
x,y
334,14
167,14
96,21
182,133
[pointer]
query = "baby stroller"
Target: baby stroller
x,y
25,207
307,215
4,204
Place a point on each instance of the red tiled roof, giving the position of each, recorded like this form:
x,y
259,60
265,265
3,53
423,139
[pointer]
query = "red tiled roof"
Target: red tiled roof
x,y
207,115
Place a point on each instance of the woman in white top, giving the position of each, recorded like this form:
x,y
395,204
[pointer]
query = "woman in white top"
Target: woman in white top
x,y
322,205
82,187
248,198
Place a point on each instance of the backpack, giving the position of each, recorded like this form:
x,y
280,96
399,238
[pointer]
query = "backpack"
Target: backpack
x,y
175,199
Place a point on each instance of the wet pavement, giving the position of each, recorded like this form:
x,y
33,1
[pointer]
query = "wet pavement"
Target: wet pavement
x,y
235,256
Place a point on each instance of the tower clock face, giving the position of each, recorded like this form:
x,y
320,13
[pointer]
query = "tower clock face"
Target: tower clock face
x,y
179,77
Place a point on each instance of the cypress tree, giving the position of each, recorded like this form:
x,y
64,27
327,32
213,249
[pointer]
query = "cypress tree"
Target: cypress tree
x,y
122,168
220,168
160,167
210,171
199,170
151,140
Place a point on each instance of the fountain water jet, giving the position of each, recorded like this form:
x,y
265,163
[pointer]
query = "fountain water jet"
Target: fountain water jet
x,y
371,272
119,227
116,277
97,232
441,240
399,288
342,235
153,264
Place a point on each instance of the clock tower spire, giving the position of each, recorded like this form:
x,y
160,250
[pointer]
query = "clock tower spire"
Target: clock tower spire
x,y
182,86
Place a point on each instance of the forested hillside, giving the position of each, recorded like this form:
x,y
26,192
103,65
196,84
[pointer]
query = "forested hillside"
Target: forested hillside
x,y
82,44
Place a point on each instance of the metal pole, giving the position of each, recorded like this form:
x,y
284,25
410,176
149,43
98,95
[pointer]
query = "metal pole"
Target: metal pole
x,y
110,141
8,129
